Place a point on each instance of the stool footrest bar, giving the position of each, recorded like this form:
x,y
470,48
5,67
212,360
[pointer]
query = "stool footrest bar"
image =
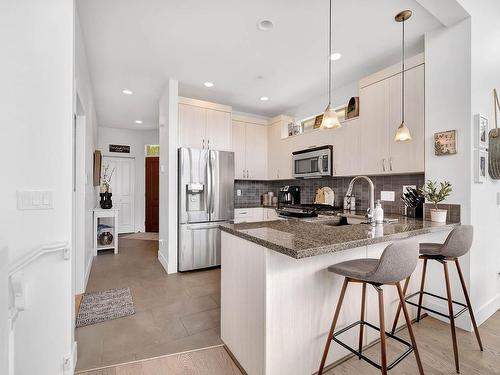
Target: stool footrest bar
x,y
360,355
464,307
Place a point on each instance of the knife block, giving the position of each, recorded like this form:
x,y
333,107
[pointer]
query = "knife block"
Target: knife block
x,y
415,212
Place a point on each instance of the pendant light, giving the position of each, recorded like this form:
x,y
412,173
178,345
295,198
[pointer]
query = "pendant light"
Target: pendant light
x,y
403,133
330,118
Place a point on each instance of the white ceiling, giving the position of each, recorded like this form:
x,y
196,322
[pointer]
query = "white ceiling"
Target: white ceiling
x,y
140,44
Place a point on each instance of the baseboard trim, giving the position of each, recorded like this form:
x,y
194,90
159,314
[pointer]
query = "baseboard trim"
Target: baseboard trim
x,y
484,312
163,261
87,273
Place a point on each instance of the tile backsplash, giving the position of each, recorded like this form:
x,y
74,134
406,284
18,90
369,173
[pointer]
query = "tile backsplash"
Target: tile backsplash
x,y
251,191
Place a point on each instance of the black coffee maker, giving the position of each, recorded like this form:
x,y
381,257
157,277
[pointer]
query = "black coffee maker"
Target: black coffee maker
x,y
289,195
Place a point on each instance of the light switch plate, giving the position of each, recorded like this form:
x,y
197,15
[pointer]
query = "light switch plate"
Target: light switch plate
x,y
35,200
238,192
387,196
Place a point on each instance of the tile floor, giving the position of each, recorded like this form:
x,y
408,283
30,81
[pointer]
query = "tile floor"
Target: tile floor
x,y
174,313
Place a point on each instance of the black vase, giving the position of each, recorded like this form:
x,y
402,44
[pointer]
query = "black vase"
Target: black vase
x,y
105,201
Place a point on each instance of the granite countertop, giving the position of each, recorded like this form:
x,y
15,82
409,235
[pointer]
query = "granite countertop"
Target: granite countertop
x,y
301,239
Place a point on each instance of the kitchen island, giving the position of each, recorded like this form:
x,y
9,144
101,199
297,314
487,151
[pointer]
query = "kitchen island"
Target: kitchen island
x,y
277,297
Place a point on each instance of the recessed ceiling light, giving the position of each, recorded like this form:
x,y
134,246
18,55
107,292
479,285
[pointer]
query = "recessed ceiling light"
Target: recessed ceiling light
x,y
127,92
209,84
265,25
335,56
264,98
138,121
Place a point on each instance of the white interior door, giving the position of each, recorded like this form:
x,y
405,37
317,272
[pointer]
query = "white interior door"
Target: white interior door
x,y
122,188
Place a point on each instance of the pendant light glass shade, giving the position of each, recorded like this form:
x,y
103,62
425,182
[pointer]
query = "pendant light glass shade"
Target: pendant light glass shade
x,y
402,134
330,119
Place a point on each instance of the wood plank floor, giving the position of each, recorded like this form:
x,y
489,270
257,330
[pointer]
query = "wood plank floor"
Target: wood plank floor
x,y
433,338
201,362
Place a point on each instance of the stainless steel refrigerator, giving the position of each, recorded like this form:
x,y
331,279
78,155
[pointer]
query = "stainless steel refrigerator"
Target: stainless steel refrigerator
x,y
206,199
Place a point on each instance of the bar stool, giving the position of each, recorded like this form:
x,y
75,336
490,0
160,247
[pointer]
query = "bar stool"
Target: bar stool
x,y
397,263
457,244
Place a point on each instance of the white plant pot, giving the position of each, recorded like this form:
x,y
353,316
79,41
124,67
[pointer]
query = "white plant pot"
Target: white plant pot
x,y
438,216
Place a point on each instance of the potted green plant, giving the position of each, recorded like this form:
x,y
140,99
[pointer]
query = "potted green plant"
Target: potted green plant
x,y
437,193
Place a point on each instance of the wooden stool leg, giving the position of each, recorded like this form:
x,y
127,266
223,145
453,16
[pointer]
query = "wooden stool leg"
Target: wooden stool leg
x,y
422,285
410,329
362,326
405,289
383,352
332,328
452,318
467,299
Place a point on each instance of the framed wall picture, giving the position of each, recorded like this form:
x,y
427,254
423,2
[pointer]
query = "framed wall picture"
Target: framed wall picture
x,y
480,166
97,167
445,143
481,131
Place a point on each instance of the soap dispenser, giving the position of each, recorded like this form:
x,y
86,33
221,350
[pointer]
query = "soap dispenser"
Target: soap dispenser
x,y
378,214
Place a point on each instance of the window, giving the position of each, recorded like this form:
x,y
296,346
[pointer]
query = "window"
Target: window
x,y
152,150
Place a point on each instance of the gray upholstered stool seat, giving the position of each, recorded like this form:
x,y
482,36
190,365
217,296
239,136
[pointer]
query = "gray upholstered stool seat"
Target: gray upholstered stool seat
x,y
398,261
430,248
355,269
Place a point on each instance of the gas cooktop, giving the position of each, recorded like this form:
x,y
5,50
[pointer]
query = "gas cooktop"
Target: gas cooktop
x,y
304,210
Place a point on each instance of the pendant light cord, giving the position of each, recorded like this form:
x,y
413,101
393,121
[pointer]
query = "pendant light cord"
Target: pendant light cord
x,y
403,77
330,57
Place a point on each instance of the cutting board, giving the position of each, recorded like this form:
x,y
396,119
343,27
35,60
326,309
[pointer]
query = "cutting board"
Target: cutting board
x,y
325,195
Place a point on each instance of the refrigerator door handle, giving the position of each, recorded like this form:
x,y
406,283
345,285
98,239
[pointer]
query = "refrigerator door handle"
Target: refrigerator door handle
x,y
212,179
209,184
196,227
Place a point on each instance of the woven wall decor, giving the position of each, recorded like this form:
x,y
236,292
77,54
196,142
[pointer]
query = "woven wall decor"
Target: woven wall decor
x,y
494,144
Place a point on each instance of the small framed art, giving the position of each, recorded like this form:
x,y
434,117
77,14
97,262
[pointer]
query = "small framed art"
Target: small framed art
x,y
445,143
481,132
480,166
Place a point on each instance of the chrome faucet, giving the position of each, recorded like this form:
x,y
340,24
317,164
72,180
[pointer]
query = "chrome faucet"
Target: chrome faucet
x,y
369,213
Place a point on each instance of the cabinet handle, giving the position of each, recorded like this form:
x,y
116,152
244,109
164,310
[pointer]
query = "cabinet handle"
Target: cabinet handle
x,y
390,163
248,175
383,164
203,143
243,173
208,144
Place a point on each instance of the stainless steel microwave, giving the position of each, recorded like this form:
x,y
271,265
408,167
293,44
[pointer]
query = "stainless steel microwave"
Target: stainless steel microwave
x,y
313,162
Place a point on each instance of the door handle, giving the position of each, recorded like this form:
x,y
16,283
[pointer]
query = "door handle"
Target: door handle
x,y
383,164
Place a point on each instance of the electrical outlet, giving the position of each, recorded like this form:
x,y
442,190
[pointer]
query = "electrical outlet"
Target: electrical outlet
x,y
238,192
387,196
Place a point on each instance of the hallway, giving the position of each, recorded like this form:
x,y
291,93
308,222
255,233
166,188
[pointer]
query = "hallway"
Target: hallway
x,y
174,313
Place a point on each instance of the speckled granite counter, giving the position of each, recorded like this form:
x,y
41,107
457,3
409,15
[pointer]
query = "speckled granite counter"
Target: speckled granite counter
x,y
299,239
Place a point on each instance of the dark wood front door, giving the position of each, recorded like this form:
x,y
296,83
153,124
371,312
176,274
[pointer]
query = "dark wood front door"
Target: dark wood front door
x,y
152,193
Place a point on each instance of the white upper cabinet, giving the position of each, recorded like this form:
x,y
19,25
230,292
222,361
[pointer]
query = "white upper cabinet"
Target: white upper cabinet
x,y
250,148
192,125
373,136
279,156
219,130
408,157
239,142
380,114
204,125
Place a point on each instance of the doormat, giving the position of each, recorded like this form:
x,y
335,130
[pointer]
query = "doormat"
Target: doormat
x,y
97,307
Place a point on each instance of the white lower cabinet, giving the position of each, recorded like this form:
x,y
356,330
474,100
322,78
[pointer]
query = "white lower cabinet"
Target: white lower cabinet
x,y
254,214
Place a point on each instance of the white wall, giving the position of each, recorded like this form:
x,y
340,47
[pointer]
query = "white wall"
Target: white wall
x,y
36,153
85,96
447,107
168,109
461,72
136,139
485,211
